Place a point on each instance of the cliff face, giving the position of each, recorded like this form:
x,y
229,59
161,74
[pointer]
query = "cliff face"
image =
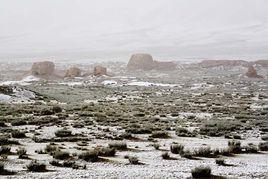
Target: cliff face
x,y
99,71
145,62
44,68
73,72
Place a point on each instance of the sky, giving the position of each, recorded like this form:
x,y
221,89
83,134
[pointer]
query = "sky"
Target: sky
x,y
114,29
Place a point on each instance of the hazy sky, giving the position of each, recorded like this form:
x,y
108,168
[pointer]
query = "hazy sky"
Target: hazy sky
x,y
116,28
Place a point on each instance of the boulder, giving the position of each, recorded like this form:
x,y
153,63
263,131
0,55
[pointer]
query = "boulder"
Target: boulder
x,y
252,73
145,62
73,72
44,68
99,71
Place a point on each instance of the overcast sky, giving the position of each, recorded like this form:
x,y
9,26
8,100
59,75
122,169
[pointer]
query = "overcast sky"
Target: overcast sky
x,y
116,28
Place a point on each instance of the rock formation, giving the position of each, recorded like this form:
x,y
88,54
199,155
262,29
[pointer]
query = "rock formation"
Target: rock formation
x,y
141,61
73,72
145,62
44,68
252,73
99,71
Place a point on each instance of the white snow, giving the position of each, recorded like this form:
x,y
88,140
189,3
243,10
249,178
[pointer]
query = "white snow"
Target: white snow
x,y
148,84
71,84
18,96
109,82
30,78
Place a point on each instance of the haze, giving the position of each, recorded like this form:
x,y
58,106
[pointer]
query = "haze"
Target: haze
x,y
114,29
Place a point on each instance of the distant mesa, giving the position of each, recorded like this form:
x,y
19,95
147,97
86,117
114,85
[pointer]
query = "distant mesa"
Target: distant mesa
x,y
263,63
99,71
252,73
45,68
216,63
73,72
145,62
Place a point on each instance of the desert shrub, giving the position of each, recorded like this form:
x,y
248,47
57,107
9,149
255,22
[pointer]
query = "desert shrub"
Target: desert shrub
x,y
21,152
18,134
203,152
18,122
2,124
63,133
226,152
220,161
165,155
139,115
176,148
46,112
3,171
55,163
82,143
68,163
156,146
263,146
219,128
201,172
61,155
251,148
138,129
90,156
187,154
56,109
160,134
234,146
4,150
105,151
5,140
118,145
34,166
78,125
265,137
50,148
133,160
182,132
264,129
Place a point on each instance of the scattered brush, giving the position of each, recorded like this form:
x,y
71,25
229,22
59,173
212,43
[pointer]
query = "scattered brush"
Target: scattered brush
x,y
34,166
160,134
176,148
134,160
165,155
63,133
118,145
201,172
22,153
3,171
90,156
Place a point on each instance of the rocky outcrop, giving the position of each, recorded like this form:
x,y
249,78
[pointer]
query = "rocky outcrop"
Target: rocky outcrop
x,y
252,73
216,63
45,68
73,72
145,62
99,71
